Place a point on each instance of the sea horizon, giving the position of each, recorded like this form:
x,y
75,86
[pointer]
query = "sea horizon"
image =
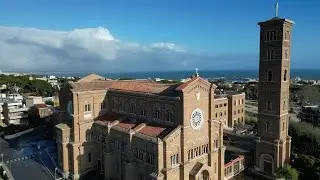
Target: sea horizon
x,y
308,74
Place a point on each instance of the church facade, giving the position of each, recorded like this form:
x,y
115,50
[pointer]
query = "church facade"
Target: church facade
x,y
140,129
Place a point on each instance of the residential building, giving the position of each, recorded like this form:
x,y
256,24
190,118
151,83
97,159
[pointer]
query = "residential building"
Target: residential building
x,y
236,110
220,103
33,100
41,111
14,112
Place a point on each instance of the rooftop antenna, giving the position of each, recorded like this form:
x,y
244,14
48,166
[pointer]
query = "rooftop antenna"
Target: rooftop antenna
x,y
197,72
277,8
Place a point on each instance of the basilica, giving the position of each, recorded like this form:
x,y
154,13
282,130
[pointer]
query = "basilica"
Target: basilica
x,y
142,129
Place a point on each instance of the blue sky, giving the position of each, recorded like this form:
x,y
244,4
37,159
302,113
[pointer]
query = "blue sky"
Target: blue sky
x,y
211,27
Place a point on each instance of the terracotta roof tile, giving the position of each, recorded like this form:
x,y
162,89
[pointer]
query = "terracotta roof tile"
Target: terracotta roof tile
x,y
151,129
184,85
143,86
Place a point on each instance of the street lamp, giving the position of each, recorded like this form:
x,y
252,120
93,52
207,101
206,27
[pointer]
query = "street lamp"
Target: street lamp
x,y
55,169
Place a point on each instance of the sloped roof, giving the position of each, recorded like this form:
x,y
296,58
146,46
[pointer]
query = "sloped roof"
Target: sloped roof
x,y
186,84
90,77
150,129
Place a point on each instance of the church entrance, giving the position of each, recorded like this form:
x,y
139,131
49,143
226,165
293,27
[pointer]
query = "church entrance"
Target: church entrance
x,y
266,163
267,167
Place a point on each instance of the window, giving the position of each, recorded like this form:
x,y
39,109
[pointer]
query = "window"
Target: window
x,y
225,104
225,112
89,157
156,113
285,75
215,167
287,35
286,54
169,115
239,101
121,106
269,76
220,105
284,105
217,106
235,112
132,108
271,35
269,106
88,136
139,154
150,158
242,101
216,114
268,125
174,159
283,126
238,111
102,105
242,119
242,110
220,113
143,111
270,54
87,107
113,104
235,102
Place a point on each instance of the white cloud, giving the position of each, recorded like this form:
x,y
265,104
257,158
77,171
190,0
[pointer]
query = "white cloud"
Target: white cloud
x,y
90,49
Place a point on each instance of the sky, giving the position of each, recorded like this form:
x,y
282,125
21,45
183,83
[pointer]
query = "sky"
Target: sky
x,y
148,35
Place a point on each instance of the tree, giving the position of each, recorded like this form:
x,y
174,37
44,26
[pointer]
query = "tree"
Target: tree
x,y
287,172
48,102
309,95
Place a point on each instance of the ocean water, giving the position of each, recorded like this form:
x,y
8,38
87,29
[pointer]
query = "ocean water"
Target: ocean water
x,y
308,74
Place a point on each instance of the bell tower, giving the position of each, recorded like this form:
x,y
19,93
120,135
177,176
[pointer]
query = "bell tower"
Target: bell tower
x,y
273,148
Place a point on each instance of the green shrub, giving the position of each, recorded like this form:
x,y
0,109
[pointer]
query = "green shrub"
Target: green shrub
x,y
287,172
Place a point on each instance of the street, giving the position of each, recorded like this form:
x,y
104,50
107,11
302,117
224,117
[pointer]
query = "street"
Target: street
x,y
29,157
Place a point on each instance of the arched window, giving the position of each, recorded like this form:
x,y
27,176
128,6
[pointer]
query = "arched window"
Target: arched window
x,y
169,115
132,108
269,77
268,125
121,106
143,111
269,106
156,113
285,75
87,107
284,105
113,104
220,113
216,114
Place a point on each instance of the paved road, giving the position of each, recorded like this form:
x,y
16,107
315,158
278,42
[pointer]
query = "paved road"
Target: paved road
x,y
25,160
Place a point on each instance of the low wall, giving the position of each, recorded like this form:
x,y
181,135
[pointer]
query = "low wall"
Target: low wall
x,y
5,173
18,134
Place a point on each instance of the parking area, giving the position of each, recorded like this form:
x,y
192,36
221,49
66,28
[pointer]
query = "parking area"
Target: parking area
x,y
30,156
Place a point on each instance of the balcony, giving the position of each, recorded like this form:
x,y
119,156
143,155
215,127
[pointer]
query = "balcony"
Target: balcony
x,y
18,109
12,117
